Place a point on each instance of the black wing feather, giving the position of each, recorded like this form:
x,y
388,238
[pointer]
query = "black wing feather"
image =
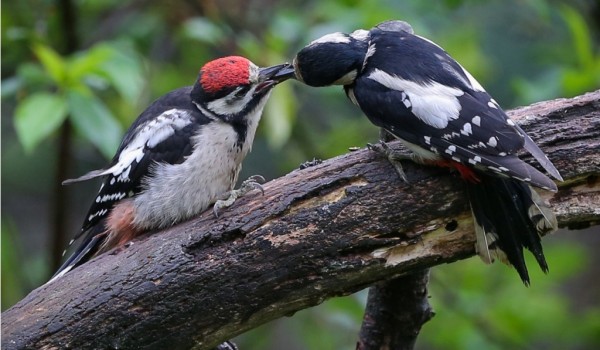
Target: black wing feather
x,y
481,135
172,150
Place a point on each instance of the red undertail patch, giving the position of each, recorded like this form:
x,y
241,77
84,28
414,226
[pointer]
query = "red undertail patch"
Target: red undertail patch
x,y
120,226
465,172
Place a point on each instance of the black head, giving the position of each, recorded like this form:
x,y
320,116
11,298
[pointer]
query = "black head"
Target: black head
x,y
333,59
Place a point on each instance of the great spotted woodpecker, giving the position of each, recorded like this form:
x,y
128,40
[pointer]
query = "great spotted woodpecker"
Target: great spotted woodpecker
x,y
414,90
182,154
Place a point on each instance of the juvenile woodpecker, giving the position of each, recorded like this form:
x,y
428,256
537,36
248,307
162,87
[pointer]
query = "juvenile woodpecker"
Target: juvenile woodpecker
x,y
182,154
413,89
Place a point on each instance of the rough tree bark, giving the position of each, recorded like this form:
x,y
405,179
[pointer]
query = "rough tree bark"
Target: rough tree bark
x,y
328,230
396,310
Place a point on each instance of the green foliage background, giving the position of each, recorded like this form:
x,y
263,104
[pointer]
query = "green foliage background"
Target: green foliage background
x,y
131,52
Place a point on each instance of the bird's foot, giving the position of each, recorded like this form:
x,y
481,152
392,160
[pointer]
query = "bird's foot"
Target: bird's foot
x,y
393,156
228,198
310,163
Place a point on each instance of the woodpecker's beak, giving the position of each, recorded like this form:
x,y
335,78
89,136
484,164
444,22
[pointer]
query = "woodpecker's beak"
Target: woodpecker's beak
x,y
271,76
285,72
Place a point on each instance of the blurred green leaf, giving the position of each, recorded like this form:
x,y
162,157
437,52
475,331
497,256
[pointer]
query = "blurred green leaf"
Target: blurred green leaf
x,y
124,71
52,62
543,87
203,30
88,62
249,45
95,122
279,116
487,309
33,75
582,40
585,76
37,116
577,81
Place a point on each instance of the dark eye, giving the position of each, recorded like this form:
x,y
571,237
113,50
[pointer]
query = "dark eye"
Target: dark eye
x,y
242,91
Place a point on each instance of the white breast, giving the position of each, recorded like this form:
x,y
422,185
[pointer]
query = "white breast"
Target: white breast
x,y
179,191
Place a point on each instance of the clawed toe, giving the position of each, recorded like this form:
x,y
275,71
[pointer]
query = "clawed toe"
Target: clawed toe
x,y
393,156
228,198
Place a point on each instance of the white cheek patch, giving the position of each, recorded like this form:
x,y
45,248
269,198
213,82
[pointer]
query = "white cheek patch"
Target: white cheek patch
x,y
230,104
433,103
347,78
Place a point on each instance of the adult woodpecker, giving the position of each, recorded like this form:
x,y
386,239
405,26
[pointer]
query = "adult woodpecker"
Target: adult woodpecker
x,y
182,154
414,90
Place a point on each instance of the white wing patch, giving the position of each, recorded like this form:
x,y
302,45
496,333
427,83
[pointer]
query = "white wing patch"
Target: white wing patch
x,y
435,104
149,135
110,197
466,130
100,212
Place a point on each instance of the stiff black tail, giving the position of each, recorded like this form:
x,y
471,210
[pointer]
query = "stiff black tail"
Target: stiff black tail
x,y
85,248
509,215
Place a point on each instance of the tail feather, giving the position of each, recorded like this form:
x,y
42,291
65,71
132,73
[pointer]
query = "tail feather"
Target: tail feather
x,y
540,156
509,216
84,251
91,175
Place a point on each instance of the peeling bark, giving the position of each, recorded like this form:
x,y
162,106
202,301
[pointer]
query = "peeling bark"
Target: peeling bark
x,y
328,230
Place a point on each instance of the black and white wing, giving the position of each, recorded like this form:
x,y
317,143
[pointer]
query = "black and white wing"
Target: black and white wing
x,y
415,90
161,134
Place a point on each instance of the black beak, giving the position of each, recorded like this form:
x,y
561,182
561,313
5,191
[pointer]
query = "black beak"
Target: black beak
x,y
271,76
278,73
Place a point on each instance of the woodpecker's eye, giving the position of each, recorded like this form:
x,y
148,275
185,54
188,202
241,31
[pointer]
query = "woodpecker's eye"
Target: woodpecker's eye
x,y
237,94
241,91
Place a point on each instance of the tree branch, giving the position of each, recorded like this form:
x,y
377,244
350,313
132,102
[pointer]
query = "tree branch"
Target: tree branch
x,y
325,231
396,310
